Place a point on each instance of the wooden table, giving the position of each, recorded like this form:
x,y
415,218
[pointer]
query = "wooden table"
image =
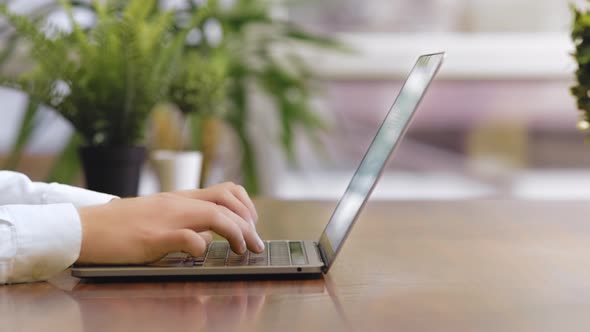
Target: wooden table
x,y
408,266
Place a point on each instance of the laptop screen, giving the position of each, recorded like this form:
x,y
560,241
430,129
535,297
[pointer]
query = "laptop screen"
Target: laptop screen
x,y
371,167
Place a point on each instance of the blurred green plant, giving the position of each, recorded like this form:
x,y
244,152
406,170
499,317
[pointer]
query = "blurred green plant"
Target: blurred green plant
x,y
197,92
252,51
200,87
104,82
581,90
262,57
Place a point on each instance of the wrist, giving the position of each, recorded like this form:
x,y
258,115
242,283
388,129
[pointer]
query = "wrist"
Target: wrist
x,y
88,217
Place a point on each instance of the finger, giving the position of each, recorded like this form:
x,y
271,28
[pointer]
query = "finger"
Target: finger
x,y
242,195
248,230
222,224
207,236
185,240
203,216
225,194
230,201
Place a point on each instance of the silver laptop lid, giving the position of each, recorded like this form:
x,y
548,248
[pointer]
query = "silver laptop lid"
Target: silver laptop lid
x,y
392,129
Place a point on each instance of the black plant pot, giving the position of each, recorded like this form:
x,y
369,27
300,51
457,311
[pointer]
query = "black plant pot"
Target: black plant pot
x,y
113,170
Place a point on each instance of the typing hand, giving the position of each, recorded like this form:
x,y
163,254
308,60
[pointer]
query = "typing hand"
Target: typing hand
x,y
232,196
144,229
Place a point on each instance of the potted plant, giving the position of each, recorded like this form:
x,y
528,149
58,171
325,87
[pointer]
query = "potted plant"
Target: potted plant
x,y
183,134
176,166
581,90
261,59
105,81
245,41
199,93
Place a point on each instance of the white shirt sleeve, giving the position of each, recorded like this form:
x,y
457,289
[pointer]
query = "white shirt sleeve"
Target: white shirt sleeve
x,y
40,230
17,188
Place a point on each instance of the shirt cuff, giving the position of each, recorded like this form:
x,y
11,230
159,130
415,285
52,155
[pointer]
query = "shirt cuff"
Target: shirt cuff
x,y
61,193
48,240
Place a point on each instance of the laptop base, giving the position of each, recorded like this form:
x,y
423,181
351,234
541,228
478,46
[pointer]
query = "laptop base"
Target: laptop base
x,y
202,278
311,266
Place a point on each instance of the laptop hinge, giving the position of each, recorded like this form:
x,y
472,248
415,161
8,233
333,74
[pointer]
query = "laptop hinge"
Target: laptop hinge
x,y
322,257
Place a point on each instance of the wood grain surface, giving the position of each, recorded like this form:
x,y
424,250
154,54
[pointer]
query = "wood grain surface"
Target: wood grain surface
x,y
408,266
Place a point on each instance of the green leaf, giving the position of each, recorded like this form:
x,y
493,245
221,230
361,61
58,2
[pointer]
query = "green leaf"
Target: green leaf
x,y
78,33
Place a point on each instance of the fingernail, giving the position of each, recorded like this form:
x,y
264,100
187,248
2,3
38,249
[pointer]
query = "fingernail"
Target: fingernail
x,y
260,244
243,248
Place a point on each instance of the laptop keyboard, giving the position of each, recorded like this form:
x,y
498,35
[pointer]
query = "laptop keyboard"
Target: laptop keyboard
x,y
276,253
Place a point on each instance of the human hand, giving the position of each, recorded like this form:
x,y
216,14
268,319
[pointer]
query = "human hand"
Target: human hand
x,y
144,229
232,196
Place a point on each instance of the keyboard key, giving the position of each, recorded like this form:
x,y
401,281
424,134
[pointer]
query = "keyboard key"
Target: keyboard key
x,y
199,259
218,250
188,262
297,254
214,263
261,259
234,259
279,253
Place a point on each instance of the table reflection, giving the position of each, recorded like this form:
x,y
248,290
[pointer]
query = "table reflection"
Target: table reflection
x,y
185,306
38,307
177,306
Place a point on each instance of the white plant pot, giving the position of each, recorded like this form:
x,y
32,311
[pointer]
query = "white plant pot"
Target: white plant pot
x,y
177,170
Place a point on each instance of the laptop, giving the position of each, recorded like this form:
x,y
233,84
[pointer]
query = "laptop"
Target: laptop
x,y
305,258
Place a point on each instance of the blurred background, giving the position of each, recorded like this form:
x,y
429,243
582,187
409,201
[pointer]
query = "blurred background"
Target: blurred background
x,y
499,121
